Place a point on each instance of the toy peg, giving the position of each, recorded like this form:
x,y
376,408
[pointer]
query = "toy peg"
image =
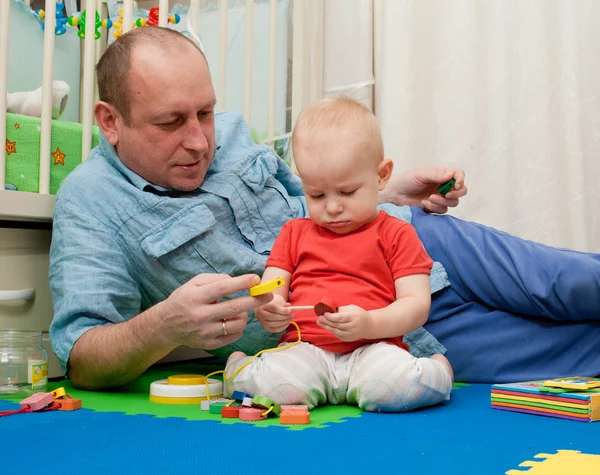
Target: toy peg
x,y
326,305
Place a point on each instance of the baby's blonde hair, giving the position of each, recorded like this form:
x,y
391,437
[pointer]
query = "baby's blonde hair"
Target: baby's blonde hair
x,y
338,117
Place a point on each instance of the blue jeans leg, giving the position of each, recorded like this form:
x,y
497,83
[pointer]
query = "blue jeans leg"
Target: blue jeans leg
x,y
507,273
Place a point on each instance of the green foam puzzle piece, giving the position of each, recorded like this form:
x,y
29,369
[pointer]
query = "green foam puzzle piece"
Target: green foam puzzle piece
x,y
133,399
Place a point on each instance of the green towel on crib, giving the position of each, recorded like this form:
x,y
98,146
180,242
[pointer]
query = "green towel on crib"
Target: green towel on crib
x,y
23,151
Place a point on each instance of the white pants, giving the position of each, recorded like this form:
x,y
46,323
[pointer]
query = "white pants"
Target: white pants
x,y
378,378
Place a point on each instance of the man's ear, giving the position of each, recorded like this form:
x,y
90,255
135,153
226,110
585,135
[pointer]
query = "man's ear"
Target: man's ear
x,y
106,117
384,170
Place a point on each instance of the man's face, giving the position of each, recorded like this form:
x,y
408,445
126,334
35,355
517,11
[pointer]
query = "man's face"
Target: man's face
x,y
170,137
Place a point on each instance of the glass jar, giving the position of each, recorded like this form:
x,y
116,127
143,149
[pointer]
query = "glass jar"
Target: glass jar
x,y
23,363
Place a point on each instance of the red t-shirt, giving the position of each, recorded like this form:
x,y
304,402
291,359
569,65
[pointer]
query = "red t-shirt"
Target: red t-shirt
x,y
357,268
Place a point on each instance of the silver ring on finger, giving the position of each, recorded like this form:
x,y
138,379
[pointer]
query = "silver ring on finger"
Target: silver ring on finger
x,y
224,328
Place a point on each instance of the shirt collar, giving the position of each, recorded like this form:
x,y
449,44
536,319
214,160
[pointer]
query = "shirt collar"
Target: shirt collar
x,y
110,153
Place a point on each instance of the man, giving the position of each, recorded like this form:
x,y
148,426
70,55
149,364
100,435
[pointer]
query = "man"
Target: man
x,y
158,234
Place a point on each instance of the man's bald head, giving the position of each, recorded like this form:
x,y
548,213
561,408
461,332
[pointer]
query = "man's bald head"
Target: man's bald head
x,y
115,65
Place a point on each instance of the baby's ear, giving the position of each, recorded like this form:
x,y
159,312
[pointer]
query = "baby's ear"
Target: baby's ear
x,y
384,170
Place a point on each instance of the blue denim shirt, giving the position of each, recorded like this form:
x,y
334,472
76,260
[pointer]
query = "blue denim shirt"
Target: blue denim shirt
x,y
121,244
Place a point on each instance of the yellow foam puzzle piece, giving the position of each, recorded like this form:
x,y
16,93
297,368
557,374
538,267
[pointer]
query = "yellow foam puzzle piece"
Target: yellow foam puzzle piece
x,y
571,462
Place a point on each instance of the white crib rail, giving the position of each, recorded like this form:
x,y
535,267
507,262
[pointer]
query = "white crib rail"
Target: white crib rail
x,y
46,116
4,25
248,62
307,67
87,97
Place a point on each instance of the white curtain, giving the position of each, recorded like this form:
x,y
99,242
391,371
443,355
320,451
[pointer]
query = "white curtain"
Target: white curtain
x,y
348,49
508,90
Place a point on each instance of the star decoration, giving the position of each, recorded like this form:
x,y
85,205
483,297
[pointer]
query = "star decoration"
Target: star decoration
x,y
17,125
59,157
11,147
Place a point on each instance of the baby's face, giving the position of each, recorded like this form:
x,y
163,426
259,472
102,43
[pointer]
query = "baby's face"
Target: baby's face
x,y
340,185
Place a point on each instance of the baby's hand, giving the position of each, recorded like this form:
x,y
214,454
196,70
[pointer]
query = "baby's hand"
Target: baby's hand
x,y
274,316
350,323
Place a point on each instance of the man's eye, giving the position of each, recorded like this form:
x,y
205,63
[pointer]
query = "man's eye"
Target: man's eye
x,y
348,193
170,124
205,113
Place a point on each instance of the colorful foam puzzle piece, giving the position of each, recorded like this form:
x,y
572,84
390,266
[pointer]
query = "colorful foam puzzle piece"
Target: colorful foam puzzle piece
x,y
563,462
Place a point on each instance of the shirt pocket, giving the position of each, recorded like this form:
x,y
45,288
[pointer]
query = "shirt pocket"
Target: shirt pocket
x,y
267,204
188,243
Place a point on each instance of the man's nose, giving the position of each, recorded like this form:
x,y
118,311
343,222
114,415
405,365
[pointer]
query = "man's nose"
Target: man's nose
x,y
194,138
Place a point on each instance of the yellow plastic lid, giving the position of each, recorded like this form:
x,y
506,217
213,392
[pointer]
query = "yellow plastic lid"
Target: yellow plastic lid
x,y
186,379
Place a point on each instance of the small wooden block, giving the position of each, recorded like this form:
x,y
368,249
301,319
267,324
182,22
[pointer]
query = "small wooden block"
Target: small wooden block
x,y
69,404
215,407
59,392
230,412
265,403
326,305
240,395
294,418
37,401
251,414
294,409
247,401
205,405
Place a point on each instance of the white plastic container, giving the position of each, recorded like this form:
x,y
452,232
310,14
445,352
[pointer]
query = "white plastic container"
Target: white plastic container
x,y
23,363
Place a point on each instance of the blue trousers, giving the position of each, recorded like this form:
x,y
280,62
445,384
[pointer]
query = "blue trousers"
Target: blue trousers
x,y
516,310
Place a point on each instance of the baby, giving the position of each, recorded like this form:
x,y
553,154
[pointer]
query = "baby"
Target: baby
x,y
371,264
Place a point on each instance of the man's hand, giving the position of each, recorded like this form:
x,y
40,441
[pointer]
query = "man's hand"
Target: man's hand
x,y
349,323
194,316
419,188
274,316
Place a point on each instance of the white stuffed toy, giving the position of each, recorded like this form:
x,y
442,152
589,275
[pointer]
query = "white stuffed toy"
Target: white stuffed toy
x,y
30,102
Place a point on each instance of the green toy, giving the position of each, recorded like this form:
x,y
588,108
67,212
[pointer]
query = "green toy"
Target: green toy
x,y
446,187
76,20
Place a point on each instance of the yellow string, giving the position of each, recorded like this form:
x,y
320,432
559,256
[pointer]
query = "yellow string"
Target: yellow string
x,y
235,373
264,414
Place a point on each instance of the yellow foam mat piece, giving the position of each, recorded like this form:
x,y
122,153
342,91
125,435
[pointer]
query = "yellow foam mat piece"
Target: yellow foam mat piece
x,y
564,462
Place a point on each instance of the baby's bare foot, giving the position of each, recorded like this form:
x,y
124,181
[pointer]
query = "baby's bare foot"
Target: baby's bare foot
x,y
236,355
442,359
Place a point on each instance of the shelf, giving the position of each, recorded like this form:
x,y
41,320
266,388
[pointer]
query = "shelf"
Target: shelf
x,y
23,206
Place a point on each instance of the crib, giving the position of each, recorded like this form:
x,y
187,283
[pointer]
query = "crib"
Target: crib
x,y
279,62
